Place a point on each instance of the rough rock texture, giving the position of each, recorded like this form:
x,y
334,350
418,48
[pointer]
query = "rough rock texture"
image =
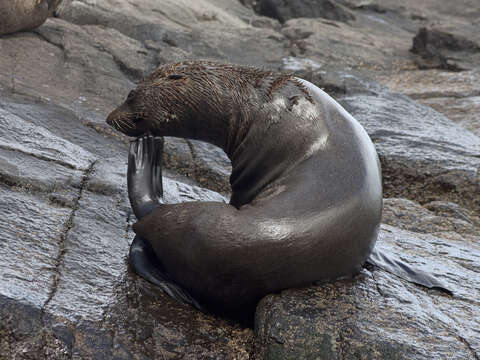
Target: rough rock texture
x,y
459,101
282,10
65,288
438,48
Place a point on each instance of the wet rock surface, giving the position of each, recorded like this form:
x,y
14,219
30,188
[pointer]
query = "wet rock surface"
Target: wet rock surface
x,y
65,287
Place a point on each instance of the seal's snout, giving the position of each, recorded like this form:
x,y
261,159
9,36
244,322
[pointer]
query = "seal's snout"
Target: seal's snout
x,y
109,120
126,121
113,117
114,120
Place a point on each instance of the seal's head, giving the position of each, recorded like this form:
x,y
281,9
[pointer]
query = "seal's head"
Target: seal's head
x,y
196,100
181,100
131,117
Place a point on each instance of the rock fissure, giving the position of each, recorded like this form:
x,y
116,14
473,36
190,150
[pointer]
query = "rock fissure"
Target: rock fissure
x,y
192,149
451,329
74,341
462,339
128,225
63,238
376,285
58,45
475,355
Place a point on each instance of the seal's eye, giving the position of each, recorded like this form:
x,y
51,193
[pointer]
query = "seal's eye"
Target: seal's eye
x,y
174,77
131,95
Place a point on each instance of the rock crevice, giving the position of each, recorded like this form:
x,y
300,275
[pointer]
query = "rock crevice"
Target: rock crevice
x,y
67,226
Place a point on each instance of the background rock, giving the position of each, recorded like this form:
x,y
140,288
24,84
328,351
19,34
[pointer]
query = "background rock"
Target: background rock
x,y
65,288
283,10
437,48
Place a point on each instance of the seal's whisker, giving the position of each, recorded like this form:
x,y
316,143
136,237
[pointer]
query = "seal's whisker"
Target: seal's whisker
x,y
128,123
119,125
126,126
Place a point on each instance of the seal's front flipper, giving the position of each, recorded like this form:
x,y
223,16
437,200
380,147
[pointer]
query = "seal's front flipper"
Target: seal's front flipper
x,y
144,176
405,272
144,262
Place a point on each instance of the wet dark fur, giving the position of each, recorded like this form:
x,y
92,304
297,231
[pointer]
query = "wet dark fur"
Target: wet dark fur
x,y
214,89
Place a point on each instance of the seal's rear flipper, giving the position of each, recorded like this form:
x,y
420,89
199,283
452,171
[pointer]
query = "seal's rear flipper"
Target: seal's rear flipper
x,y
405,272
144,262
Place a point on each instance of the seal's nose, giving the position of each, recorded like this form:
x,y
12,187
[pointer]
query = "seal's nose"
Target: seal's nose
x,y
109,120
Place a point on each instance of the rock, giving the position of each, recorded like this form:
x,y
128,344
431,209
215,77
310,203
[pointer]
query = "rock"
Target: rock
x,y
128,17
70,140
437,217
434,46
454,94
464,111
217,29
65,290
329,42
229,44
69,69
27,264
431,40
376,315
283,10
367,5
41,143
424,155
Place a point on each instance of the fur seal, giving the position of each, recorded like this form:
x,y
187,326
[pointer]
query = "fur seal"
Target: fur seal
x,y
306,198
24,15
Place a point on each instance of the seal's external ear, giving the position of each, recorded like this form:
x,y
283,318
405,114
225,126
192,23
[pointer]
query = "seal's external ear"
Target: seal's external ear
x,y
174,77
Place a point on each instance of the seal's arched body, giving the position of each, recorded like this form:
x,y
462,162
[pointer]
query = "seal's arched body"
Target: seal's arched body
x,y
306,186
306,182
306,207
